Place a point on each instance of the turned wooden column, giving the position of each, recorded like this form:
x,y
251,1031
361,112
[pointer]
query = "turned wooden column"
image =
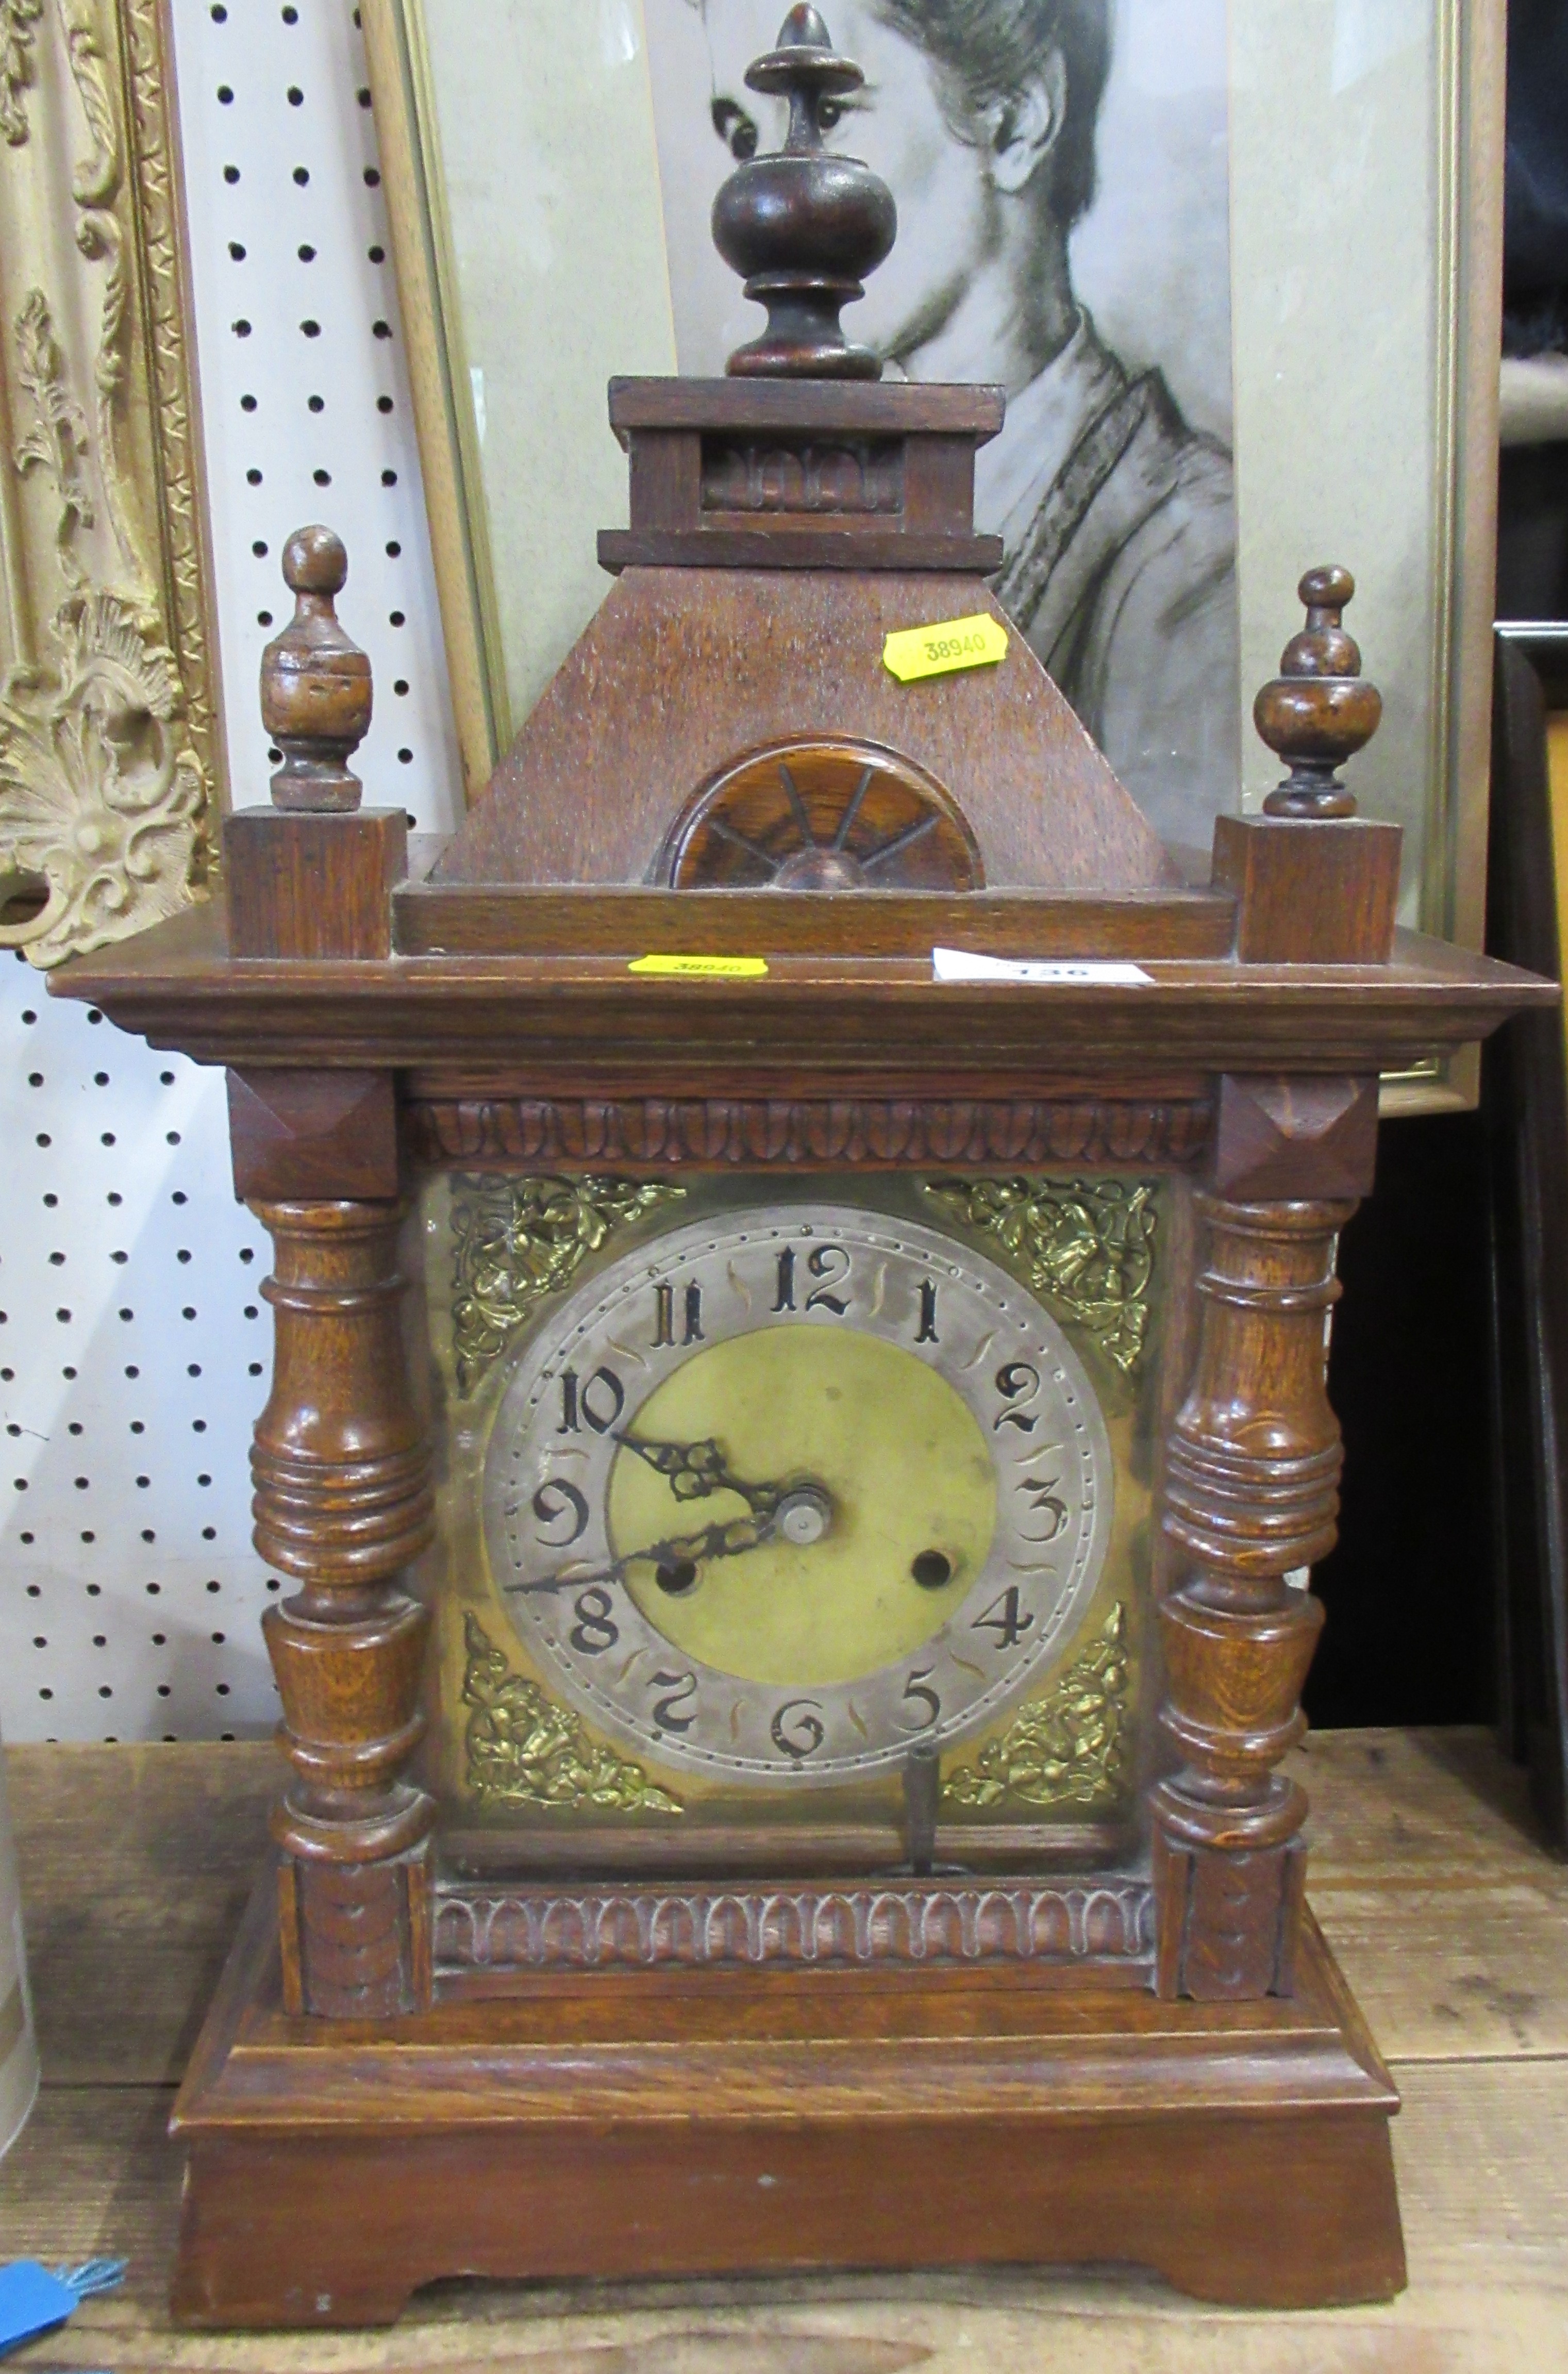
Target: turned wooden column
x,y
341,1461
1252,1465
342,1469
1251,1495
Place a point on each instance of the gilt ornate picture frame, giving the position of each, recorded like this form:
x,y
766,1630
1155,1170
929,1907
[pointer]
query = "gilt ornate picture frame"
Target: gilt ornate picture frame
x,y
111,766
1350,169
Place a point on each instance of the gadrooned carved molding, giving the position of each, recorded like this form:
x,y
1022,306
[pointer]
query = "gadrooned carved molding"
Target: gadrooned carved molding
x,y
536,1928
786,1133
108,742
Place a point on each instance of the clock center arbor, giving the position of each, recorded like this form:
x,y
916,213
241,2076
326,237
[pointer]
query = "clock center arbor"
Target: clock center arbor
x,y
793,1473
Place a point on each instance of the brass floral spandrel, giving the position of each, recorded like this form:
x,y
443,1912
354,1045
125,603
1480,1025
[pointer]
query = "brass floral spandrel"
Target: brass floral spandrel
x,y
523,1749
519,1240
1085,1246
1068,1747
107,739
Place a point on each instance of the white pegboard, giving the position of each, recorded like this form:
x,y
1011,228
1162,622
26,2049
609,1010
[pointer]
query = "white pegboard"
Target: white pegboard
x,y
131,1354
304,392
134,1342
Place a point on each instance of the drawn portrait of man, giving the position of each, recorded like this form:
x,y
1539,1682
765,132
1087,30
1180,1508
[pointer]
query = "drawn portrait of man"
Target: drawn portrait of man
x,y
1114,506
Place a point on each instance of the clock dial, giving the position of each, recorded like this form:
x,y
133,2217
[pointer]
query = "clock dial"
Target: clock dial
x,y
781,1495
829,1592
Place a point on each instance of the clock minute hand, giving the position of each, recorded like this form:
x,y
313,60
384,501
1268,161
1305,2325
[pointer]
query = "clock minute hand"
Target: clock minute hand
x,y
714,1542
694,1471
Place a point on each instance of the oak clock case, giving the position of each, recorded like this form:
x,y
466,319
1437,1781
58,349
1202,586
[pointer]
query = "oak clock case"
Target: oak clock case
x,y
779,1501
793,1486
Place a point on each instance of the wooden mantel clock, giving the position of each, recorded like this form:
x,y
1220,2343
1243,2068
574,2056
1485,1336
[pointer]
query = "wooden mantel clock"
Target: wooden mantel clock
x,y
795,1476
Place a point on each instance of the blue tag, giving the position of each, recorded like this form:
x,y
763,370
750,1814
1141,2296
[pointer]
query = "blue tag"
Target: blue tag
x,y
34,2300
31,2300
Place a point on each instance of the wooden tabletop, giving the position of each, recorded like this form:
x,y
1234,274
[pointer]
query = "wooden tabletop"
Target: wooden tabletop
x,y
1450,1920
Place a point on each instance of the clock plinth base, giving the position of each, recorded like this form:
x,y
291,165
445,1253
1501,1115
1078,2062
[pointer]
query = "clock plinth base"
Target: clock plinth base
x,y
622,2125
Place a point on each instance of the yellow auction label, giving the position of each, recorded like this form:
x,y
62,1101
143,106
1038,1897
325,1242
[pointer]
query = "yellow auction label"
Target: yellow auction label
x,y
702,968
941,649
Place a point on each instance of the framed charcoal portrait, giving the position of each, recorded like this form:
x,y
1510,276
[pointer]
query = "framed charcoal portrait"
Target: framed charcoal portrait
x,y
1063,232
1237,268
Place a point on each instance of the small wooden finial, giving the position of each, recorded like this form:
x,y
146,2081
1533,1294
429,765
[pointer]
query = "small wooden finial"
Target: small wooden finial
x,y
801,227
1320,709
316,692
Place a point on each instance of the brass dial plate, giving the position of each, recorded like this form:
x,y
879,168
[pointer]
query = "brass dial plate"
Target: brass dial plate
x,y
777,1496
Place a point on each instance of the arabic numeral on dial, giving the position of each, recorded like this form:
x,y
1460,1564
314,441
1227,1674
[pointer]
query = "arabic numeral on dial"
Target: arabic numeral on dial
x,y
797,1728
664,1315
918,1692
1005,1618
1046,1502
602,1399
675,1711
1019,1385
785,1297
831,1264
595,1630
554,1504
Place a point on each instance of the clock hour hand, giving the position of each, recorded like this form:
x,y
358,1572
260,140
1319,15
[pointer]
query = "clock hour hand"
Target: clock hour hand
x,y
694,1471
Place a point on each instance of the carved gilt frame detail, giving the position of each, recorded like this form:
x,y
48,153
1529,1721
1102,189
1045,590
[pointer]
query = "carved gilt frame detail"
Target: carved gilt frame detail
x,y
111,732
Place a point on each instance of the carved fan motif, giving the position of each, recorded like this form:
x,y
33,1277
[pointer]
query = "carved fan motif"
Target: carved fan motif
x,y
831,814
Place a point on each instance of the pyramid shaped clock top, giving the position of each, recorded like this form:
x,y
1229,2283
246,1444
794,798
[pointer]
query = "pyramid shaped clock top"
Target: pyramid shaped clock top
x,y
783,522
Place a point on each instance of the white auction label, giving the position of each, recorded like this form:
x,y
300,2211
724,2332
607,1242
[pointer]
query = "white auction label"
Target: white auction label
x,y
962,964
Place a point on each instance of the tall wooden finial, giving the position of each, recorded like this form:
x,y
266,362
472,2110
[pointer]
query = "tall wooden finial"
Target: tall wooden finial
x,y
804,228
316,692
1320,709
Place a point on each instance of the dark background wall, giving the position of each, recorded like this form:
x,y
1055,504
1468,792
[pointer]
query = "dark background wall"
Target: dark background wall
x,y
1409,1591
1532,544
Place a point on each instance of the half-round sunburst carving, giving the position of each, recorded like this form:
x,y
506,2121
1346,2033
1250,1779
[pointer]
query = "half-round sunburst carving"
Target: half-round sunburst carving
x,y
828,813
